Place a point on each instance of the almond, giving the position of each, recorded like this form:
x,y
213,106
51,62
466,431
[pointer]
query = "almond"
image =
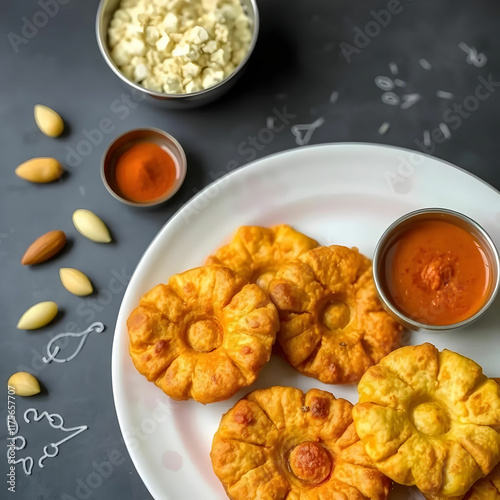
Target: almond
x,y
91,226
37,316
48,121
24,384
45,247
40,170
75,281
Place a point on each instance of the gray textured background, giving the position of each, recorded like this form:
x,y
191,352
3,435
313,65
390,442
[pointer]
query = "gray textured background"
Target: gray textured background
x,y
298,64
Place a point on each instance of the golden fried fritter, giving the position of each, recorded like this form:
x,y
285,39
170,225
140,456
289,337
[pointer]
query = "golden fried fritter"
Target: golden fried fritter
x,y
204,335
333,326
256,253
487,488
280,443
430,419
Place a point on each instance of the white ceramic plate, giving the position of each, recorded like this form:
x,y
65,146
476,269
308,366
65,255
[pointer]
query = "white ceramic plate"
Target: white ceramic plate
x,y
343,193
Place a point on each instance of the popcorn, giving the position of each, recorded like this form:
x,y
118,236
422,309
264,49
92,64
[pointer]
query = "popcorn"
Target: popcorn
x,y
179,46
162,43
210,47
197,35
190,70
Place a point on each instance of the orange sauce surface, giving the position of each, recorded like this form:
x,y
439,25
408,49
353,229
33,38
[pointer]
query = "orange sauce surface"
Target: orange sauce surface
x,y
145,172
437,273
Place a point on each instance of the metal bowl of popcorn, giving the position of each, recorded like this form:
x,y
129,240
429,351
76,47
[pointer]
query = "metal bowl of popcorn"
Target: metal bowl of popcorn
x,y
179,53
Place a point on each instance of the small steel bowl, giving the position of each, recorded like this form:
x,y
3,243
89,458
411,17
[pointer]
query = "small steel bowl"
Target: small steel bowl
x,y
105,13
445,215
123,142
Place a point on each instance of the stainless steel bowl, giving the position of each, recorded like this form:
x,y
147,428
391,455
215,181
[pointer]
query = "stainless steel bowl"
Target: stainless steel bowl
x,y
123,142
445,215
105,13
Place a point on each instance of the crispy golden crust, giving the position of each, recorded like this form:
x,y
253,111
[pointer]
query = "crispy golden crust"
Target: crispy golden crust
x,y
430,419
487,488
256,253
280,443
333,326
204,336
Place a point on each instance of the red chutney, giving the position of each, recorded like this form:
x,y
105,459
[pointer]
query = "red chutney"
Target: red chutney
x,y
145,172
437,273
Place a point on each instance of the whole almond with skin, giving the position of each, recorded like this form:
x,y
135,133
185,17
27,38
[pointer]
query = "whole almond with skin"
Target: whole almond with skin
x,y
75,281
40,170
24,384
48,121
37,316
45,247
93,228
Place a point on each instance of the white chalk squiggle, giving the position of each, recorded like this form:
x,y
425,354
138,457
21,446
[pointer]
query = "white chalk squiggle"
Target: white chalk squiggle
x,y
28,461
308,128
52,418
97,327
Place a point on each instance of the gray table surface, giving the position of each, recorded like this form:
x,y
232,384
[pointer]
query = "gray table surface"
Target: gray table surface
x,y
307,50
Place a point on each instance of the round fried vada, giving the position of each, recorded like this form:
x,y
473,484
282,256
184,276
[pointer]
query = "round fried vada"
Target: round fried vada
x,y
280,443
256,253
333,326
430,419
204,335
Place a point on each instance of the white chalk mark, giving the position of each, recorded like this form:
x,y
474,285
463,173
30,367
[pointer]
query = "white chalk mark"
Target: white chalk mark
x,y
394,68
425,64
51,418
97,327
399,83
384,83
384,128
82,191
442,94
390,98
28,461
446,131
410,100
427,138
334,97
309,129
473,57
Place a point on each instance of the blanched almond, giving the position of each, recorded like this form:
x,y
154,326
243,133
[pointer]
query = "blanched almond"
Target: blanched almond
x,y
91,226
40,170
39,315
48,121
45,247
75,281
24,384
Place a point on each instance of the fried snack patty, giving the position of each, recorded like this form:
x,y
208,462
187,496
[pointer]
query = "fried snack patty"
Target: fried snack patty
x,y
280,443
487,488
333,326
204,335
430,419
256,253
